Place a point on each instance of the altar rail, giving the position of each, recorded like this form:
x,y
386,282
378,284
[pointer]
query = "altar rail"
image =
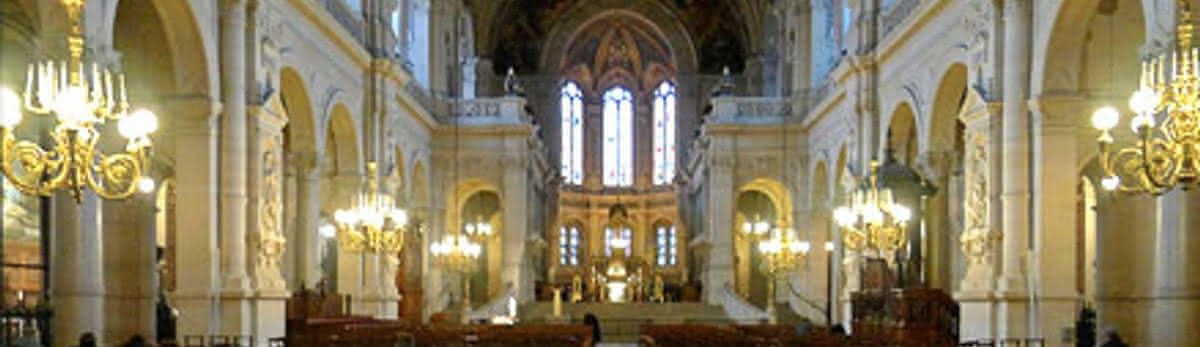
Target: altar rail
x,y
750,110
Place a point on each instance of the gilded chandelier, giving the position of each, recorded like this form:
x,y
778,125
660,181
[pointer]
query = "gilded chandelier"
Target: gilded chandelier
x,y
873,221
82,97
1167,155
456,253
782,252
374,224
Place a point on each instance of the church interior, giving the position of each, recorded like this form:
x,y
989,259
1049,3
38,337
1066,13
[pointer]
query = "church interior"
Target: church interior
x,y
666,173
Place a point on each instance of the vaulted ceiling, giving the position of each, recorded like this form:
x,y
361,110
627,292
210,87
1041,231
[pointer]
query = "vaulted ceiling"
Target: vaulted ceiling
x,y
513,32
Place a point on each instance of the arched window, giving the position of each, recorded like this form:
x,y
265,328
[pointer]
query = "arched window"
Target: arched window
x,y
355,7
418,40
568,245
847,20
626,235
398,27
665,244
571,100
618,137
664,133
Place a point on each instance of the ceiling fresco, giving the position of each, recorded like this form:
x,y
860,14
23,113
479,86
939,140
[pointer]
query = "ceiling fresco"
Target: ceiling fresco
x,y
514,31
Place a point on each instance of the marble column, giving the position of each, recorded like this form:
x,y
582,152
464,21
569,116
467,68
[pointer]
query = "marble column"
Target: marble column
x,y
1012,291
196,120
129,267
1175,307
306,242
1056,179
720,226
77,287
1125,263
235,281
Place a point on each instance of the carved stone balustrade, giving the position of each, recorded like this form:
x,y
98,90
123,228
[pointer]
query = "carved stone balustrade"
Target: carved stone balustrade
x,y
750,110
490,111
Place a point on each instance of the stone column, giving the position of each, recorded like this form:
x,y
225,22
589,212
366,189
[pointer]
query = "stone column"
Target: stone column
x,y
1056,175
1175,309
306,242
77,287
235,282
197,258
1014,296
265,223
129,267
980,238
515,222
720,226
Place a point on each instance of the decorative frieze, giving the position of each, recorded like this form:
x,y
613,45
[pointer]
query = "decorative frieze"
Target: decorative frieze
x,y
979,239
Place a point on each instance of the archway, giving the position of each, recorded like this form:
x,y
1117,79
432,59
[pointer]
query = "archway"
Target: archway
x,y
901,135
942,162
302,188
482,210
756,213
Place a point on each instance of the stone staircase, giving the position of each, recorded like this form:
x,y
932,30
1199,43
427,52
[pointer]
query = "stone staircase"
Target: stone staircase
x,y
620,322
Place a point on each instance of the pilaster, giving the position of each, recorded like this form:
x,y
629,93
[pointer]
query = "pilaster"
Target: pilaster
x,y
720,271
979,241
195,119
267,242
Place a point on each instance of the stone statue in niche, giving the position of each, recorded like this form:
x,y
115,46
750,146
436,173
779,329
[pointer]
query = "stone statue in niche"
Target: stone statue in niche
x,y
512,86
725,87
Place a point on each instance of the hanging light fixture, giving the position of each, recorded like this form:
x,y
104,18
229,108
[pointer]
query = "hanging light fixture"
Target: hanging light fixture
x,y
374,224
756,227
873,220
479,229
82,97
1166,121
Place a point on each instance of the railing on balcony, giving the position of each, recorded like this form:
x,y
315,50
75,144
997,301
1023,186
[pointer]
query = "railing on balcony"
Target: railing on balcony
x,y
896,14
489,111
750,110
353,22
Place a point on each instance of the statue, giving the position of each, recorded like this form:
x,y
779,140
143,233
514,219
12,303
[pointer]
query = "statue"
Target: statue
x,y
725,87
512,86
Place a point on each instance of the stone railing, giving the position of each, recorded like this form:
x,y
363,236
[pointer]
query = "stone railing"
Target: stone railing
x,y
497,306
739,310
896,14
489,111
750,110
353,22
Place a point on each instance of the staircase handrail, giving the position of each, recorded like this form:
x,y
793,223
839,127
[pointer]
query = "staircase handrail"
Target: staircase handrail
x,y
497,306
798,298
739,310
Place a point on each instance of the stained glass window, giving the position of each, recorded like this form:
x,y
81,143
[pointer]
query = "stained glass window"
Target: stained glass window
x,y
664,133
571,100
618,137
626,234
568,245
666,244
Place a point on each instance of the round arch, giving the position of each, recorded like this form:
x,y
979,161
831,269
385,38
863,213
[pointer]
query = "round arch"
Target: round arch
x,y
295,100
578,18
902,133
344,139
776,192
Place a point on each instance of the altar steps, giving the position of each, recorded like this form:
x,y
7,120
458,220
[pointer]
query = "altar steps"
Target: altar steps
x,y
621,322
